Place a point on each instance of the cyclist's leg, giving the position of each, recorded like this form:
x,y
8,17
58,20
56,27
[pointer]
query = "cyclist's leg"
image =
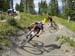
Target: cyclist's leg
x,y
39,31
32,35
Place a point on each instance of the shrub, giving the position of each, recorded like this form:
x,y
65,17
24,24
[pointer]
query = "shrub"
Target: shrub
x,y
64,39
2,17
12,21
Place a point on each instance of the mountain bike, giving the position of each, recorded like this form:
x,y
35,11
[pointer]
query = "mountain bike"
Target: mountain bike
x,y
52,28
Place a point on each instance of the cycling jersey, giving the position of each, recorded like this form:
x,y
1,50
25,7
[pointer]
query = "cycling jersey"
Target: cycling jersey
x,y
38,27
45,20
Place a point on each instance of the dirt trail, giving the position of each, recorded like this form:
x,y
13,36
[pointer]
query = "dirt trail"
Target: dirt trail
x,y
48,39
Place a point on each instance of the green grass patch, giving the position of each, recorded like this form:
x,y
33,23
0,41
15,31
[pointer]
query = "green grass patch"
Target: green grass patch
x,y
27,19
4,28
62,21
69,40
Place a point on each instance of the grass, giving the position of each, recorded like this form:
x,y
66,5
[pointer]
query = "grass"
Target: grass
x,y
4,16
69,40
62,21
4,28
27,19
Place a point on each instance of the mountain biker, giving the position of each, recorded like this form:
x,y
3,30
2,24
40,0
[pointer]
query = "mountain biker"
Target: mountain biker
x,y
50,20
53,24
36,27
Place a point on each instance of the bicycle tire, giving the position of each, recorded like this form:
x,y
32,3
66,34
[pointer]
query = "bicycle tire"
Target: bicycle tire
x,y
30,37
53,28
50,29
33,50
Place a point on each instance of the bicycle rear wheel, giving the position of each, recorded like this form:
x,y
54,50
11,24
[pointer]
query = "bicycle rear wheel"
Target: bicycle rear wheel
x,y
53,28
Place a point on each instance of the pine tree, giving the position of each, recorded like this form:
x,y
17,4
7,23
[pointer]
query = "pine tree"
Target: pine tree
x,y
17,7
43,7
69,8
21,6
53,7
4,5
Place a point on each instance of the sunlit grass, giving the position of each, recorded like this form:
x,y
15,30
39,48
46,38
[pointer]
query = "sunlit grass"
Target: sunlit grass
x,y
70,25
27,19
69,40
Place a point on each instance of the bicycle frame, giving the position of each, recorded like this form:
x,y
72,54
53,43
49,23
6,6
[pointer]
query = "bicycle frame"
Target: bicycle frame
x,y
29,37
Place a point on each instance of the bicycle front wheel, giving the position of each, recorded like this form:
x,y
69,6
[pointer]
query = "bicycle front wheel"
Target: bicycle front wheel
x,y
27,40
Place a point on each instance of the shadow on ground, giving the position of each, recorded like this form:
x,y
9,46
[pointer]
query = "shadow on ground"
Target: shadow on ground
x,y
38,48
